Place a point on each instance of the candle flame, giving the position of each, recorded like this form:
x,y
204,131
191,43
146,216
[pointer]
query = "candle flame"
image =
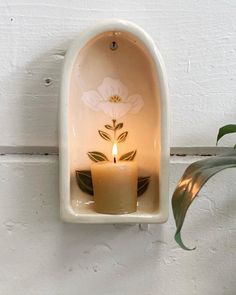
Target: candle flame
x,y
114,150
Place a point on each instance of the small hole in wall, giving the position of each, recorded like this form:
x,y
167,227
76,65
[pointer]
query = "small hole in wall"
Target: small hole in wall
x,y
48,82
113,45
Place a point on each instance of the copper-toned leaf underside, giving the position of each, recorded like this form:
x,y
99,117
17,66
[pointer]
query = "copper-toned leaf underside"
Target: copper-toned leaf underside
x,y
194,177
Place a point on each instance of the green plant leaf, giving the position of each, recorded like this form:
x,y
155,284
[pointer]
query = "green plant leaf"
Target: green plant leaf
x,y
109,127
97,156
84,181
122,137
119,126
143,183
231,128
104,135
128,156
194,177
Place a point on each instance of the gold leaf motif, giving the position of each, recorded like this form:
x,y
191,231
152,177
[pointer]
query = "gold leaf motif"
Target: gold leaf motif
x,y
122,137
97,156
104,135
119,126
109,127
128,156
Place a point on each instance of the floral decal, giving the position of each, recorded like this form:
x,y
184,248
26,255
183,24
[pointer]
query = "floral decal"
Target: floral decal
x,y
115,139
112,98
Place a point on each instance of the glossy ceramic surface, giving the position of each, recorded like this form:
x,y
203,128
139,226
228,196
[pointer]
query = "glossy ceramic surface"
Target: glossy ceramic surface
x,y
114,72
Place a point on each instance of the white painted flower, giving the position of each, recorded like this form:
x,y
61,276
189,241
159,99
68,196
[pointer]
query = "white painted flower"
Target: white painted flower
x,y
112,98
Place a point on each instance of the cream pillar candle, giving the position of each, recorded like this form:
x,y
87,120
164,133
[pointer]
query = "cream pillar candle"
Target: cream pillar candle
x,y
115,187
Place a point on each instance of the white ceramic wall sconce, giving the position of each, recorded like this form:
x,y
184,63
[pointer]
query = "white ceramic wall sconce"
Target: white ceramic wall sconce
x,y
114,150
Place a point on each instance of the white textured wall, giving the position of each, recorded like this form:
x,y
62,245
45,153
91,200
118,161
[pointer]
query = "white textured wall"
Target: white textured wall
x,y
196,38
41,255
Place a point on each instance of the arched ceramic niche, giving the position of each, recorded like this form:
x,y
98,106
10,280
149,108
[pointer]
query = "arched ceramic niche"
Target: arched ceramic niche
x,y
113,72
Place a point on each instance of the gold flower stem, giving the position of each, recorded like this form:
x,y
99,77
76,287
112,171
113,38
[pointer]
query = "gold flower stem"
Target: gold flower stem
x,y
114,138
114,129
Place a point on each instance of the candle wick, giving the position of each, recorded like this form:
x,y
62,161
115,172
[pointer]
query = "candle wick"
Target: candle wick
x,y
114,159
